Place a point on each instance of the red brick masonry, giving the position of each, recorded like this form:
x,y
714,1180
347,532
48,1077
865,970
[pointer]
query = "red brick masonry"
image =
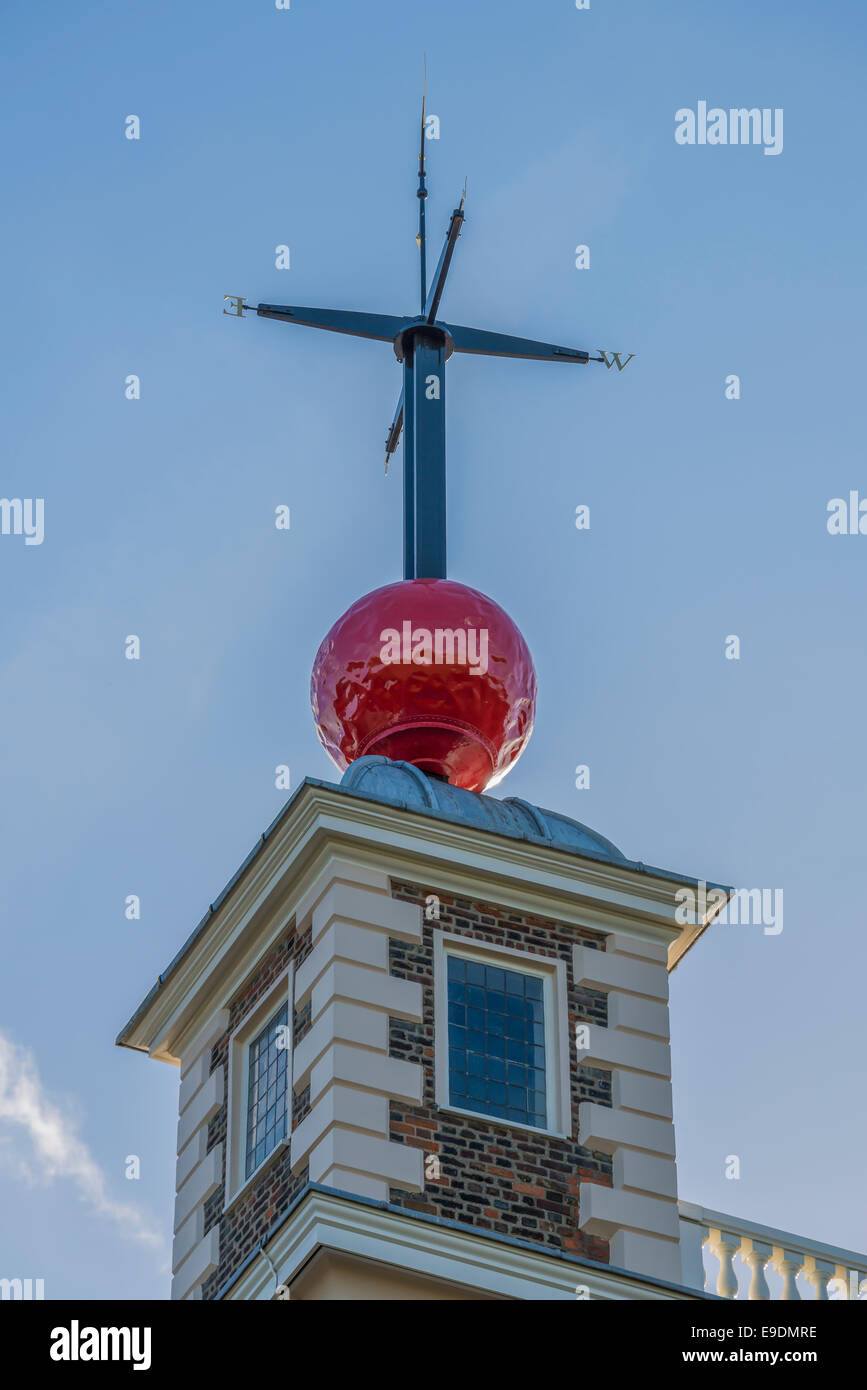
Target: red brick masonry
x,y
276,1187
493,1176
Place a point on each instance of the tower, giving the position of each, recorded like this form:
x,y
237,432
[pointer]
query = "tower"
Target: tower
x,y
385,1089
422,1033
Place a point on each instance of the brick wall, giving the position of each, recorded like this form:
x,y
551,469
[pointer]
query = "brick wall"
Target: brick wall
x,y
275,1188
510,1181
495,1177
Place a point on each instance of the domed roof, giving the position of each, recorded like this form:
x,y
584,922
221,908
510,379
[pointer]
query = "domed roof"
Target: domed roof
x,y
401,784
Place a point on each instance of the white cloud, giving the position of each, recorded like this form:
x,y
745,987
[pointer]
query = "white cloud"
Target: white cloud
x,y
56,1150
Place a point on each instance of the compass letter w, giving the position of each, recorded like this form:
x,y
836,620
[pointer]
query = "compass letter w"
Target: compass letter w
x,y
615,360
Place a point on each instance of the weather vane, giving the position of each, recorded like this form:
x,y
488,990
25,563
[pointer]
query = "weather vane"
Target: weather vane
x,y
366,690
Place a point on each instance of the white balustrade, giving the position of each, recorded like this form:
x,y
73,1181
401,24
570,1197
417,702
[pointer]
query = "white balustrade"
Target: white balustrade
x,y
826,1269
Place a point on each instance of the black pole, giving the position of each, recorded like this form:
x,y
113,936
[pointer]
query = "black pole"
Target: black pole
x,y
422,239
425,350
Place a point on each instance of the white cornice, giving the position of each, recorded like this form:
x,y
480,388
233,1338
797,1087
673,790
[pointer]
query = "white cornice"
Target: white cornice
x,y
517,874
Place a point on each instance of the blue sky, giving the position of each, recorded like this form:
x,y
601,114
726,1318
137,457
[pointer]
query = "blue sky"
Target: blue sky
x,y
708,518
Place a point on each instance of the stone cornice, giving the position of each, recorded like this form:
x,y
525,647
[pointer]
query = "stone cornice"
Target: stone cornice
x,y
260,901
506,1268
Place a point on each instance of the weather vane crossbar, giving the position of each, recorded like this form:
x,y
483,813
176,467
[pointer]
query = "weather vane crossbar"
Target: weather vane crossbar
x,y
423,345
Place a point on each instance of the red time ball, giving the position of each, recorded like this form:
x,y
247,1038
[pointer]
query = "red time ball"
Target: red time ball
x,y
430,672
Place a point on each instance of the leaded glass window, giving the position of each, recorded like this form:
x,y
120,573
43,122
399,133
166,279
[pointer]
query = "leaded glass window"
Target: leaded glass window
x,y
497,1060
266,1092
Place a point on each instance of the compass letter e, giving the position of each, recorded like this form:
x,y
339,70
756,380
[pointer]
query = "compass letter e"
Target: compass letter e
x,y
240,306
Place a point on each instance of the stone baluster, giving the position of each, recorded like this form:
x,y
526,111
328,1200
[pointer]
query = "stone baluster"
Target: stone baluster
x,y
756,1256
725,1247
787,1264
851,1282
833,1274
817,1273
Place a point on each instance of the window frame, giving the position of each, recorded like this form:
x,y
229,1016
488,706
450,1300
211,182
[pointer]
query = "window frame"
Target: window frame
x,y
556,1006
280,993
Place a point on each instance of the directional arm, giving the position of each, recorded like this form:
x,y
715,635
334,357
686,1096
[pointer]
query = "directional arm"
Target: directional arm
x,y
383,327
435,294
478,340
430,307
393,436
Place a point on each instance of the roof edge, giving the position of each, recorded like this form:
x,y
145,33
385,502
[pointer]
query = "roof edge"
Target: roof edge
x,y
543,840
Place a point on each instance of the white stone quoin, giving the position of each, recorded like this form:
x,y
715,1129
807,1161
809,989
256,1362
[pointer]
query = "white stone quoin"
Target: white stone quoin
x,y
638,1216
198,1174
344,1057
